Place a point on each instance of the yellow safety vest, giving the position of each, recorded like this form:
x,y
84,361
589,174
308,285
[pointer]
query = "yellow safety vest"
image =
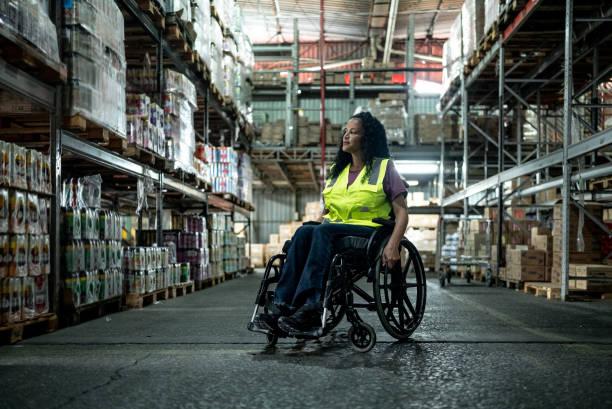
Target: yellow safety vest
x,y
360,202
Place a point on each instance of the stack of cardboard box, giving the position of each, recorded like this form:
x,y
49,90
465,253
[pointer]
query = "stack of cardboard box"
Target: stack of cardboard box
x,y
599,277
309,133
430,128
422,231
273,133
312,211
590,253
541,239
524,264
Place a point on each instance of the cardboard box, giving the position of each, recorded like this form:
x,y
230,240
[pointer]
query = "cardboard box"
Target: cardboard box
x,y
274,239
423,220
526,257
284,231
257,254
596,273
272,250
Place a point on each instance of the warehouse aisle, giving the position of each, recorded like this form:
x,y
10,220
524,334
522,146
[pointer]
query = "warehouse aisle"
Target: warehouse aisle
x,y
477,347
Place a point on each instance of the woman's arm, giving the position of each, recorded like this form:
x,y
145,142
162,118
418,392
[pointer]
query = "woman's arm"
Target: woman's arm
x,y
391,253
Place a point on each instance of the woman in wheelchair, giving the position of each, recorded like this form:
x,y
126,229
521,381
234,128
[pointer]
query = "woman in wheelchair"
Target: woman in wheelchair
x,y
363,185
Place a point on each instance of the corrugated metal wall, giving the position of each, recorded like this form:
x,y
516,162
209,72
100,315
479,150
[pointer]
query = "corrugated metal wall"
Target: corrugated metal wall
x,y
274,209
337,109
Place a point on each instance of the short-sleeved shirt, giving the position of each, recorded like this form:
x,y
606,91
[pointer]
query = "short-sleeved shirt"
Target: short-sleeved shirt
x,y
393,184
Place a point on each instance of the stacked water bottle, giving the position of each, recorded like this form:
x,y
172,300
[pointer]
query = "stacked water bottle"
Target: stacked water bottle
x,y
218,226
449,249
148,269
191,244
91,254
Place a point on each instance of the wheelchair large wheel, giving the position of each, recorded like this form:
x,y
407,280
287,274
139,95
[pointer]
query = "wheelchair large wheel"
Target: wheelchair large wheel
x,y
400,293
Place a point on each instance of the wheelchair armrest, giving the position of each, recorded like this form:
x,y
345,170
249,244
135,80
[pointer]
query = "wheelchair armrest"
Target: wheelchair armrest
x,y
384,222
311,223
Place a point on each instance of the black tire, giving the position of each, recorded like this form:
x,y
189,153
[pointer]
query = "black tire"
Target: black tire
x,y
362,337
401,293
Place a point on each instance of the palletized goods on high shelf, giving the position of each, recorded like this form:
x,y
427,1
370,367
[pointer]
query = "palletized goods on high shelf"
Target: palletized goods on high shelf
x,y
91,244
190,240
29,20
222,45
95,55
25,183
186,238
392,114
147,269
227,170
227,249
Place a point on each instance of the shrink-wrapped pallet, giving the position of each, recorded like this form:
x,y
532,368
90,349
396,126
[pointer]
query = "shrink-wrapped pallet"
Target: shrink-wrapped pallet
x,y
491,14
451,55
472,14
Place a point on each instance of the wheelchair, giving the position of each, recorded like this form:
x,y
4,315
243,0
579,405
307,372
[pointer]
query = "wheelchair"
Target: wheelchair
x,y
399,293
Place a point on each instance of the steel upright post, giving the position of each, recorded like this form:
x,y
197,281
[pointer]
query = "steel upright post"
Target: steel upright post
x,y
289,112
538,143
440,240
55,153
567,140
464,171
410,137
323,137
500,156
295,56
206,116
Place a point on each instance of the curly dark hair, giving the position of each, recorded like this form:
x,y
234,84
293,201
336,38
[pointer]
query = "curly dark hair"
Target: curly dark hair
x,y
373,145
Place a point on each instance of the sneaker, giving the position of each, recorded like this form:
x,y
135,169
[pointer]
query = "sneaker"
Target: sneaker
x,y
305,319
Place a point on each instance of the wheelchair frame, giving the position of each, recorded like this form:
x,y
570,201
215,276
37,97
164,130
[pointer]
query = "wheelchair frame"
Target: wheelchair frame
x,y
341,286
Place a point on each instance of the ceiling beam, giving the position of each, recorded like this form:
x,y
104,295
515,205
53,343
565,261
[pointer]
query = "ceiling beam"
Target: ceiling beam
x,y
285,174
313,175
390,30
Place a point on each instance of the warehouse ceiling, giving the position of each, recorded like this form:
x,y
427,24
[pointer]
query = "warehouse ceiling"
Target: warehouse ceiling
x,y
271,21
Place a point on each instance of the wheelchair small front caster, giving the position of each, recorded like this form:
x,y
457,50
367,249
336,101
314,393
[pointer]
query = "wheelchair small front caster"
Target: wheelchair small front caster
x,y
272,339
362,337
489,277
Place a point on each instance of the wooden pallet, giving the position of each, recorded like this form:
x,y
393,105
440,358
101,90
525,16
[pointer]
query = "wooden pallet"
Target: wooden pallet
x,y
72,315
601,184
92,131
18,52
151,8
14,332
183,289
177,36
233,199
148,157
143,300
514,284
548,290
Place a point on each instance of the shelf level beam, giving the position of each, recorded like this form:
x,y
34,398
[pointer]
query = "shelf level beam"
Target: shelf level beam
x,y
598,141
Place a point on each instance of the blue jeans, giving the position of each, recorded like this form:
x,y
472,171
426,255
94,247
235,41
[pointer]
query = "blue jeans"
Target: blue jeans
x,y
308,260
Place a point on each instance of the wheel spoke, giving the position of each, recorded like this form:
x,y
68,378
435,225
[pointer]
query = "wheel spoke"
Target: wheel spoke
x,y
409,304
411,285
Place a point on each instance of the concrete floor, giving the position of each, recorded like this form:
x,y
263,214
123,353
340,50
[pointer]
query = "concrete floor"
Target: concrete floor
x,y
476,348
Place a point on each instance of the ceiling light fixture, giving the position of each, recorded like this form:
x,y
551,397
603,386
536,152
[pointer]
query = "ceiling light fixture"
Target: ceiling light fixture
x,y
417,167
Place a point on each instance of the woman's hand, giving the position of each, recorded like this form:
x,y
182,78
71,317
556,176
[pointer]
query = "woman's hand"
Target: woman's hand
x,y
391,255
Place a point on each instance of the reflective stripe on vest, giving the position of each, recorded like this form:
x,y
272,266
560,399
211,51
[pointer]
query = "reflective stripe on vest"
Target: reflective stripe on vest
x,y
360,202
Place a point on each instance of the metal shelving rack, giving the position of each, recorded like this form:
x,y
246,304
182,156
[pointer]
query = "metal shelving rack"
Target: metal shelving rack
x,y
49,96
291,93
531,75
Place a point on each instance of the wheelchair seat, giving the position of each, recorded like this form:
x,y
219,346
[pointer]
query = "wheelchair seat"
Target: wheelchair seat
x,y
352,245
